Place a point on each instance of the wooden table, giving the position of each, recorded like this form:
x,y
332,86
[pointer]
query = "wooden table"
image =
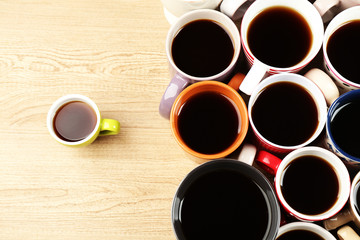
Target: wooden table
x,y
119,187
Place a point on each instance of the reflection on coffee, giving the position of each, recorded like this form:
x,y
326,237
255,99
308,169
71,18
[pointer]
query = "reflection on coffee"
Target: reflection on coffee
x,y
285,113
279,37
310,185
202,48
74,121
299,235
343,48
224,204
209,122
344,128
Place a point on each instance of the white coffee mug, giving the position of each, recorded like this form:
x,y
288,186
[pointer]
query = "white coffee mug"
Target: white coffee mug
x,y
259,69
305,226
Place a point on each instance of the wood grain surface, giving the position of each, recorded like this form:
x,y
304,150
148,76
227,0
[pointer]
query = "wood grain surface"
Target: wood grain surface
x,y
119,187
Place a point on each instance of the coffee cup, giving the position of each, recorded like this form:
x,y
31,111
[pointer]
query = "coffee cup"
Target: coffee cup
x,y
286,111
303,230
350,213
342,131
174,9
311,183
347,233
209,119
279,36
74,120
341,49
225,199
330,8
202,45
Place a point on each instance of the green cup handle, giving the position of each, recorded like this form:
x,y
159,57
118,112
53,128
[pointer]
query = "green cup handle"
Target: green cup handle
x,y
109,127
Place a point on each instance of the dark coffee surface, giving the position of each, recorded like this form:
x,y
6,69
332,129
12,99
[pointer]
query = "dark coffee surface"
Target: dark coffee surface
x,y
299,235
285,114
310,185
74,121
208,122
343,50
224,204
202,48
345,130
279,37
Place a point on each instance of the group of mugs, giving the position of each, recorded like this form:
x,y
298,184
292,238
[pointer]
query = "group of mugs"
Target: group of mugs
x,y
287,112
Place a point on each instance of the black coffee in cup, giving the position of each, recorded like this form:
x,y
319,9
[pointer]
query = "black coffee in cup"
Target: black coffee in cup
x,y
310,185
225,199
299,235
280,37
343,48
285,113
202,48
74,121
209,122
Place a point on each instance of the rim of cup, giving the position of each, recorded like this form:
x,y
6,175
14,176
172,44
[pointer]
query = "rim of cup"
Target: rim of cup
x,y
353,197
61,102
310,87
332,107
223,163
341,172
210,86
305,226
309,10
337,22
208,14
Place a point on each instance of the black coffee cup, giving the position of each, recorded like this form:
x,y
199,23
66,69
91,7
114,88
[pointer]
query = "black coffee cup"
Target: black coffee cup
x,y
225,199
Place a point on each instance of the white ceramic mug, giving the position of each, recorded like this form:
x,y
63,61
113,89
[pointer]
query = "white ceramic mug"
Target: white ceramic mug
x,y
280,167
259,69
305,226
330,8
338,21
180,79
173,9
303,82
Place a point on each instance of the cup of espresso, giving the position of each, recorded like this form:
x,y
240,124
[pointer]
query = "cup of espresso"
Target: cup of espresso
x,y
303,230
341,49
74,120
209,120
311,183
350,213
342,131
202,45
279,36
286,111
225,199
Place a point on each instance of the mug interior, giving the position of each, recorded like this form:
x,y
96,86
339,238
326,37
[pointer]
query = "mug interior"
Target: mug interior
x,y
337,22
312,89
345,98
242,169
337,166
61,102
225,22
216,87
305,8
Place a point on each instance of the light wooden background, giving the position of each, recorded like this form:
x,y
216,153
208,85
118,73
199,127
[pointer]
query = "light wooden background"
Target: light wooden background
x,y
120,187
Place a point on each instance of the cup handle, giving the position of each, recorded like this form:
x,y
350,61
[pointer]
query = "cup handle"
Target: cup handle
x,y
347,233
339,219
253,77
268,162
324,82
109,127
324,6
247,154
232,8
176,85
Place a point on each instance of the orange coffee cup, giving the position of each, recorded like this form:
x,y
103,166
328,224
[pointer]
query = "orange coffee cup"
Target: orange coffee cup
x,y
209,119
